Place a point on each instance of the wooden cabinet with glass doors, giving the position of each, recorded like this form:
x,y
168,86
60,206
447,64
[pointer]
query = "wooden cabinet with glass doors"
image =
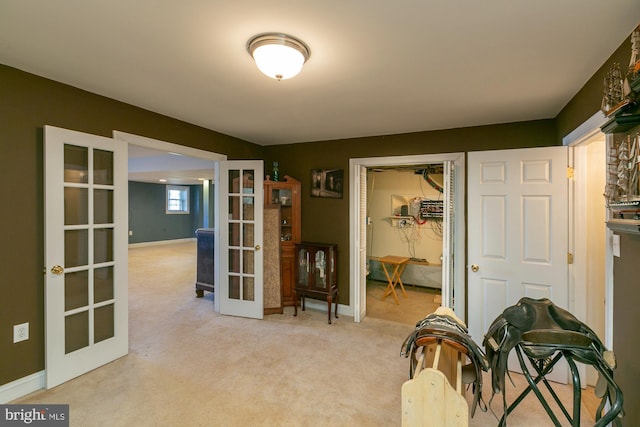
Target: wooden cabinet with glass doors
x,y
286,194
316,274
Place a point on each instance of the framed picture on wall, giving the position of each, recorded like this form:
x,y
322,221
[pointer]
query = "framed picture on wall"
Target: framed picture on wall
x,y
327,183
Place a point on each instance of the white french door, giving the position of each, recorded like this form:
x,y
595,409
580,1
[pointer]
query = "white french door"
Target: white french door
x,y
86,301
517,232
240,196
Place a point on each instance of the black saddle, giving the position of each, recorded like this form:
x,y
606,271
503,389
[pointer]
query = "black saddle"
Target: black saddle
x,y
450,331
541,329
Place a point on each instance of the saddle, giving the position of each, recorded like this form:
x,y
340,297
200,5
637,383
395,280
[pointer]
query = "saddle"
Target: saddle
x,y
541,329
451,331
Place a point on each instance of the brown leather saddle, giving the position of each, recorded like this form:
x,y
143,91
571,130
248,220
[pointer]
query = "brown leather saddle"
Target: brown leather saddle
x,y
545,332
455,334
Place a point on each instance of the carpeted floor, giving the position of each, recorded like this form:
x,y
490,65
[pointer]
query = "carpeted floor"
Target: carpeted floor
x,y
189,366
418,303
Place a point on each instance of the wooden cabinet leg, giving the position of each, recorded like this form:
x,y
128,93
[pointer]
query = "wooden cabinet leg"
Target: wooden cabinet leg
x,y
329,307
199,293
336,305
295,303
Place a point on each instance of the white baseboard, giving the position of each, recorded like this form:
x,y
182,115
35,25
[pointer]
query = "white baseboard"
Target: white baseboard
x,y
21,387
162,242
322,305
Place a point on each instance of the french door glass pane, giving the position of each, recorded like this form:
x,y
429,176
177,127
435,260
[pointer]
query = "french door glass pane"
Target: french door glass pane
x,y
76,206
102,245
234,287
102,284
234,208
248,181
247,208
103,323
247,262
76,164
76,331
234,181
247,235
234,234
76,248
102,167
76,289
248,289
234,261
102,206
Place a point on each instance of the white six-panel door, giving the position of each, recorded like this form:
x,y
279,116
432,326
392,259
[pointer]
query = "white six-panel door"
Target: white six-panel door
x,y
517,231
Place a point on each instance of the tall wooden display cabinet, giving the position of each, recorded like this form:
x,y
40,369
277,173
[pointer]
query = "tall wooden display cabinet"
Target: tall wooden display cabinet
x,y
286,194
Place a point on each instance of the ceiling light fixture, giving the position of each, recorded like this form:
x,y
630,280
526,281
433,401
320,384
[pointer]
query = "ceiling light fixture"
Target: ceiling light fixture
x,y
278,55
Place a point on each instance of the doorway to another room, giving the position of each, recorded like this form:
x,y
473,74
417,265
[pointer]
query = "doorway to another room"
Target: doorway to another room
x,y
407,212
405,208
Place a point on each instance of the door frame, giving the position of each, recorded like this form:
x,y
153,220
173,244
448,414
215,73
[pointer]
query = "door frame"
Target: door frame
x,y
157,144
577,229
357,288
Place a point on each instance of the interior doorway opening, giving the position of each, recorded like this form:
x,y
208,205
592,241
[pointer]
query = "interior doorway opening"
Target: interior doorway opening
x,y
405,212
451,203
151,159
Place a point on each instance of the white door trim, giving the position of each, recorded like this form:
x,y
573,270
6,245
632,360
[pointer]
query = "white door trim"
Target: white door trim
x,y
356,287
587,130
167,146
192,152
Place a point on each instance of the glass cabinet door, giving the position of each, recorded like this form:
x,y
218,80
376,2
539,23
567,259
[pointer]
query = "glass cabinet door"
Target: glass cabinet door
x,y
303,268
320,269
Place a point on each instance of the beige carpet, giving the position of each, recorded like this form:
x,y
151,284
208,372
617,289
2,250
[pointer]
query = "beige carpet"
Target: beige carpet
x,y
189,366
418,303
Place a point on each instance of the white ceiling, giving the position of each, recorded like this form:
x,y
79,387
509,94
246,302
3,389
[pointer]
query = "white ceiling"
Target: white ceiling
x,y
155,166
377,66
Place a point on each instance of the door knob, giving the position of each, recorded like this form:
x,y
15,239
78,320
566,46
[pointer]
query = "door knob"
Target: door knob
x,y
56,269
257,247
474,268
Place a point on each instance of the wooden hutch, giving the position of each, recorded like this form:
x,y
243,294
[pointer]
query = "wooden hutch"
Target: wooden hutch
x,y
286,195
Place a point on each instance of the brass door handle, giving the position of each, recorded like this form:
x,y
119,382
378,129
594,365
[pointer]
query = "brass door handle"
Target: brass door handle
x,y
475,268
56,269
257,247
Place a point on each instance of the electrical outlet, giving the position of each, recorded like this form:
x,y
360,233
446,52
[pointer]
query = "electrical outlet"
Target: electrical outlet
x,y
21,332
130,232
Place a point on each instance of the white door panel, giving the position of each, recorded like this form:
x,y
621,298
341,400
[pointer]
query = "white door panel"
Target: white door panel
x,y
240,228
518,231
86,290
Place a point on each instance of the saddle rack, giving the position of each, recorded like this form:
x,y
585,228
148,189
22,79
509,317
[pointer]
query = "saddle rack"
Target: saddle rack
x,y
542,334
439,349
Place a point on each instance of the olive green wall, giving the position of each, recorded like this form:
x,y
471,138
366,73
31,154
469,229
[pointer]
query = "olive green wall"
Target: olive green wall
x,y
27,103
587,101
626,301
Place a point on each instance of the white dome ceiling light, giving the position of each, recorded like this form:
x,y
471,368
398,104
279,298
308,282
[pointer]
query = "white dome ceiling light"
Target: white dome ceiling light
x,y
278,55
